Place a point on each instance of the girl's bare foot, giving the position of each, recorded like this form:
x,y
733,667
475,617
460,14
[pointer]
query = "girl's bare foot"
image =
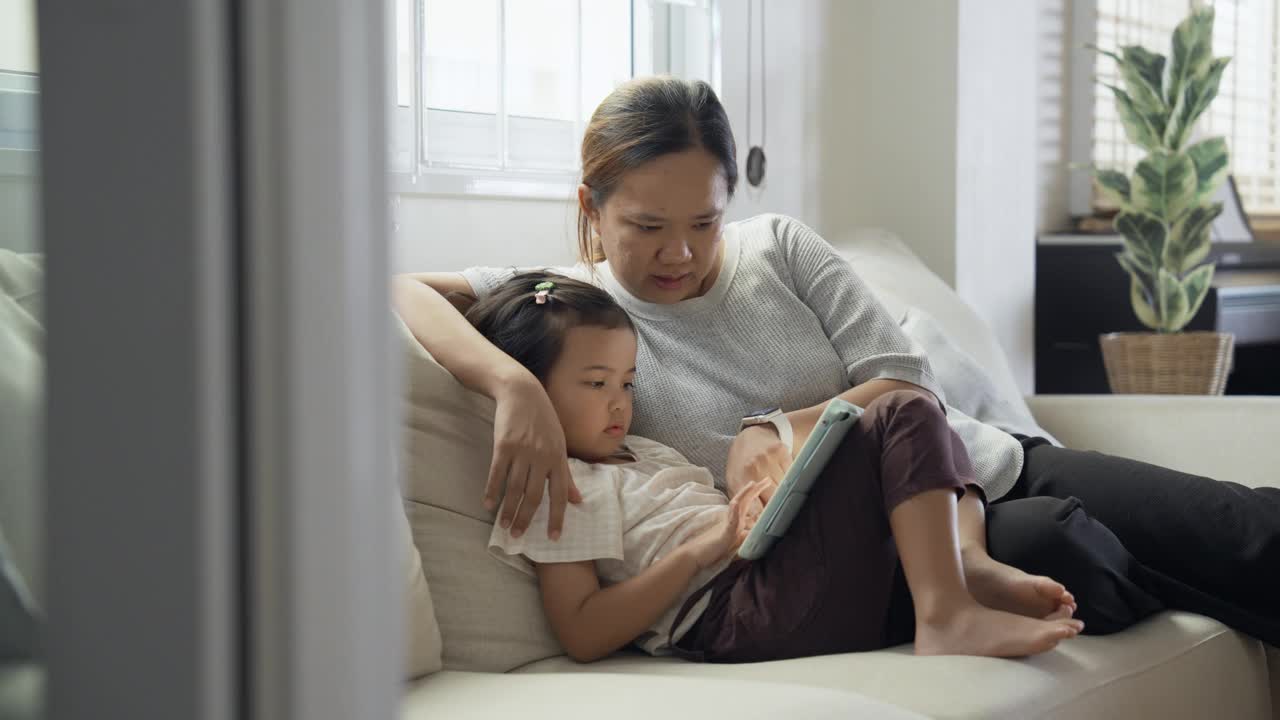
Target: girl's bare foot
x,y
977,630
1004,587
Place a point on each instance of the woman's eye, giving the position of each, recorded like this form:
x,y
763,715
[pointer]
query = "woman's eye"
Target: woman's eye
x,y
596,384
648,228
629,385
703,226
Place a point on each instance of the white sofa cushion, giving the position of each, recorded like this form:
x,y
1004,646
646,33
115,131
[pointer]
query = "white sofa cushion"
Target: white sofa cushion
x,y
1225,438
1174,665
574,696
423,645
490,615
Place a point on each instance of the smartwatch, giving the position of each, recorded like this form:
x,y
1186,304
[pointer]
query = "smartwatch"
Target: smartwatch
x,y
774,417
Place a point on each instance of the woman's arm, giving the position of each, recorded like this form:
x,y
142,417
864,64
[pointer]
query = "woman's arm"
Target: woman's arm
x,y
446,334
758,453
591,621
528,444
878,357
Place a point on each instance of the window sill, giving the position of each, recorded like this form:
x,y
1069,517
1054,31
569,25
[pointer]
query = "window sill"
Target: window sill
x,y
1266,227
433,182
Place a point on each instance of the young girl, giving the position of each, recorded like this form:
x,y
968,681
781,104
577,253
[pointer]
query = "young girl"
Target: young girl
x,y
648,556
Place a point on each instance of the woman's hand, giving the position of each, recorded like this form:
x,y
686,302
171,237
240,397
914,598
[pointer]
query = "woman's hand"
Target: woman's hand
x,y
757,454
528,448
712,545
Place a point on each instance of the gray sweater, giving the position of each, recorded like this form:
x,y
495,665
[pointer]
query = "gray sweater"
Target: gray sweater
x,y
787,324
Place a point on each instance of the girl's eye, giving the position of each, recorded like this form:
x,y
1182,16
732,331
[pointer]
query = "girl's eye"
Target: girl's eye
x,y
703,226
596,384
648,228
629,385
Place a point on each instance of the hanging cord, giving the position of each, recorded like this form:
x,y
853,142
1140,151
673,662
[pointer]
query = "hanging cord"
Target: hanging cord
x,y
756,157
764,77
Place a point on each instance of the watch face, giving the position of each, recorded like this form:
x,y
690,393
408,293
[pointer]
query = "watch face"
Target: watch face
x,y
761,413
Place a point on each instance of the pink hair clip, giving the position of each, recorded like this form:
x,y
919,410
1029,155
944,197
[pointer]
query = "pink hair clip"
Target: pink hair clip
x,y
544,289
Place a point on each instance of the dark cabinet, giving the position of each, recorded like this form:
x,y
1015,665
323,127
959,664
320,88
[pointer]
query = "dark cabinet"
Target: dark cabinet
x,y
1081,292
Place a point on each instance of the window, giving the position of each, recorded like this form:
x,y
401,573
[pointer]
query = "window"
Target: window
x,y
1247,109
492,96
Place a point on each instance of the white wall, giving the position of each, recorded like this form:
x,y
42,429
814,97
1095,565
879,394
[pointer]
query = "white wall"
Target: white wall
x,y
452,233
995,174
888,118
18,35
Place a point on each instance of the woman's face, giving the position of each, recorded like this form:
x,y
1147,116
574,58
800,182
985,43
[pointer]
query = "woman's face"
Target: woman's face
x,y
660,229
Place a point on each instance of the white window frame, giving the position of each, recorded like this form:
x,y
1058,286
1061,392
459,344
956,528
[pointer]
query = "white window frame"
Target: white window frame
x,y
653,53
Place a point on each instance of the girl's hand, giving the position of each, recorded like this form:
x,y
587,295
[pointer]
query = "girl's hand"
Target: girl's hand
x,y
716,542
757,454
528,448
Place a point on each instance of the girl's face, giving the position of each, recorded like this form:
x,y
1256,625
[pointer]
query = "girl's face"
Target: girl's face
x,y
660,228
590,387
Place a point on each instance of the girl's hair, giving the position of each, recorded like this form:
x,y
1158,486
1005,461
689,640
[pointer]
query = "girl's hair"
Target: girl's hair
x,y
644,119
533,334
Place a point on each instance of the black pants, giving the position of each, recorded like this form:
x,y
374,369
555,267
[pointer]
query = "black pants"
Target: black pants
x,y
1128,539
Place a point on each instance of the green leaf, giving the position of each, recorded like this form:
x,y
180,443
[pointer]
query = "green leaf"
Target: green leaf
x,y
1195,287
1200,91
1189,238
1141,305
1114,184
1143,74
1211,159
1172,300
1137,270
1137,126
1164,184
1192,50
1144,236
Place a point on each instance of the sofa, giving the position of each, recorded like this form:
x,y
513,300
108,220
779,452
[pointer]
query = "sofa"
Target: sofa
x,y
498,657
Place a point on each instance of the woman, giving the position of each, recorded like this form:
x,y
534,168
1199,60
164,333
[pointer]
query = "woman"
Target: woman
x,y
765,314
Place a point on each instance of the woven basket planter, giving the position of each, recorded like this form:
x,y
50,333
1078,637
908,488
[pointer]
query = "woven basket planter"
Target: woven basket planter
x,y
1190,363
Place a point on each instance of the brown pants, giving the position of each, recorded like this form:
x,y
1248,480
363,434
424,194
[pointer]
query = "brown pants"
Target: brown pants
x,y
833,583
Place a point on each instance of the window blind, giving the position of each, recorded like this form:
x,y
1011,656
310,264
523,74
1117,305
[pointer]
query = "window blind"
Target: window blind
x,y
1247,109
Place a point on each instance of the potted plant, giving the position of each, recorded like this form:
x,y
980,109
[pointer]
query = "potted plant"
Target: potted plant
x,y
1165,214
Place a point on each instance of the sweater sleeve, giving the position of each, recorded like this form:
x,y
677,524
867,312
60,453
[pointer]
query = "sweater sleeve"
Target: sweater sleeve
x,y
866,338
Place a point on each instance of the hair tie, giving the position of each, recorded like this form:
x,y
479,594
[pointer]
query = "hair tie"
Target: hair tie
x,y
544,290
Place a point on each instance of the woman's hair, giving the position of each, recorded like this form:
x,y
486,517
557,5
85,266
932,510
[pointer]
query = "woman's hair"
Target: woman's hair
x,y
533,334
644,119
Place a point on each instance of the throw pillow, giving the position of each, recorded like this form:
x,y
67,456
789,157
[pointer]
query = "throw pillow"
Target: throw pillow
x,y
968,388
423,647
490,614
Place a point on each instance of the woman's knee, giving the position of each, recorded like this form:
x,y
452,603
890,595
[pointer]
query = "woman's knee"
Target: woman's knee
x,y
1040,530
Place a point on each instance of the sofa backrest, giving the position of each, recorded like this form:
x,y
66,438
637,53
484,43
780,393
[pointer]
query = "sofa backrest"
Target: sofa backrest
x,y
490,614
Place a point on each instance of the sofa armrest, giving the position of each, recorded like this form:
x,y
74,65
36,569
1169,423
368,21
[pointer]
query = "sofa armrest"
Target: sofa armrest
x,y
593,696
1227,437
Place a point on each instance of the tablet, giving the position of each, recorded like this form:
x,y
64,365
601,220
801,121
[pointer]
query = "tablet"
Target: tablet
x,y
787,500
